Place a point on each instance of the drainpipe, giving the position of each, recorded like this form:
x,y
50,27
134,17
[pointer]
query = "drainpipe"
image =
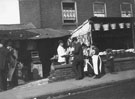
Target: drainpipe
x,y
40,9
133,27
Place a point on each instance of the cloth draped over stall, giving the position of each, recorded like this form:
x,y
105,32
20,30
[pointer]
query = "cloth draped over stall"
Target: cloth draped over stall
x,y
83,33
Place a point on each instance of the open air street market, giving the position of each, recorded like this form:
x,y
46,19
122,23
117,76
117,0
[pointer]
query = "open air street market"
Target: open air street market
x,y
81,52
34,55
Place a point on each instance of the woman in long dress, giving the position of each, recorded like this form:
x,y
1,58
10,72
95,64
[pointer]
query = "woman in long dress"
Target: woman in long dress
x,y
97,62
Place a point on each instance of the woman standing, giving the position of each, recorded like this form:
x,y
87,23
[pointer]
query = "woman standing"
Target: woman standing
x,y
97,62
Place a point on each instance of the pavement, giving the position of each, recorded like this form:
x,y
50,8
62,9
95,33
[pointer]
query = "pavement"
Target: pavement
x,y
43,88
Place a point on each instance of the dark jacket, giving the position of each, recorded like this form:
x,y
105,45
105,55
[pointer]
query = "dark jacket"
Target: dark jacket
x,y
3,58
110,60
78,52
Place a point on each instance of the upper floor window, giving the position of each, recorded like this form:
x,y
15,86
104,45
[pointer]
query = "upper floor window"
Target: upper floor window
x,y
99,9
69,12
126,10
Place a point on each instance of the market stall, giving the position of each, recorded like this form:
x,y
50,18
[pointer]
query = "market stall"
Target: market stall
x,y
63,72
44,46
117,34
106,33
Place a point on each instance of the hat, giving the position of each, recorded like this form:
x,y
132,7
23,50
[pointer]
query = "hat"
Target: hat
x,y
3,42
60,41
96,50
84,45
9,44
74,39
1,45
108,50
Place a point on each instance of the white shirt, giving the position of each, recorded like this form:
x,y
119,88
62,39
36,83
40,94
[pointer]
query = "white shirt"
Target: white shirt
x,y
70,50
85,52
1,45
61,52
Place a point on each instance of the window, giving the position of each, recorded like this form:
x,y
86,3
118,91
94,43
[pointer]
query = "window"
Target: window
x,y
126,10
99,9
69,13
9,12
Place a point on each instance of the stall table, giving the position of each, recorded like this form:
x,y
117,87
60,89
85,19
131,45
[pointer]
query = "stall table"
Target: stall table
x,y
64,72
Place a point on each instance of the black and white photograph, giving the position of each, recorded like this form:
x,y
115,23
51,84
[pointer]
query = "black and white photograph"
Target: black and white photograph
x,y
67,49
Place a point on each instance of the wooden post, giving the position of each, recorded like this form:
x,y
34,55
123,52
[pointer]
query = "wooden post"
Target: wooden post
x,y
133,31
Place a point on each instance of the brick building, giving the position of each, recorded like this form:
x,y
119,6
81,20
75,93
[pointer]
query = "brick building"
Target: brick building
x,y
68,14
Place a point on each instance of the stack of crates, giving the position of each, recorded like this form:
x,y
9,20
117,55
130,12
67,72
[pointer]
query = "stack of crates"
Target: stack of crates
x,y
36,66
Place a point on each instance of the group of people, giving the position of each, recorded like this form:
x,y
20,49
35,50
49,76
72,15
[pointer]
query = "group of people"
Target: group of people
x,y
8,62
85,60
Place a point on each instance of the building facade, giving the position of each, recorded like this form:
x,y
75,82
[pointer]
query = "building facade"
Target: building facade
x,y
68,14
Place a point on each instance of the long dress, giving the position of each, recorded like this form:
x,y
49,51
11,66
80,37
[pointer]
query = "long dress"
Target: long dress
x,y
12,63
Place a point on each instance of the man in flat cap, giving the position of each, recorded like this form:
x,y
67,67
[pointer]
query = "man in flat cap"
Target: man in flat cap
x,y
78,59
61,52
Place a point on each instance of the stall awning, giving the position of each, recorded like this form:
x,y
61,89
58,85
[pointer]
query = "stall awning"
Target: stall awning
x,y
110,23
16,31
49,33
82,29
16,27
110,19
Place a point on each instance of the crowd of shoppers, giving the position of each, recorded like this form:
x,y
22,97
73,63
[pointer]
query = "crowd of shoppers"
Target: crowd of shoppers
x,y
86,60
8,62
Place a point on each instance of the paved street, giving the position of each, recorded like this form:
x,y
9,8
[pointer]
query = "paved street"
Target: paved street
x,y
122,90
87,86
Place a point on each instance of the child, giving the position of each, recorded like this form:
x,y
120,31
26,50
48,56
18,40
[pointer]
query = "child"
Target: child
x,y
110,60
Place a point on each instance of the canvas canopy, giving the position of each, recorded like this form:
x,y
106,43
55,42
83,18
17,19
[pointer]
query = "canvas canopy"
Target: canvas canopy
x,y
99,27
83,33
98,24
110,23
49,33
16,31
82,29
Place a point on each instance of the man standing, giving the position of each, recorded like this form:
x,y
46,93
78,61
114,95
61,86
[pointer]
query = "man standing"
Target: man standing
x,y
61,52
3,67
78,59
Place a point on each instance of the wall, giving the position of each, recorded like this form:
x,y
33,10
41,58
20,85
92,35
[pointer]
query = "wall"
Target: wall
x,y
30,12
51,11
